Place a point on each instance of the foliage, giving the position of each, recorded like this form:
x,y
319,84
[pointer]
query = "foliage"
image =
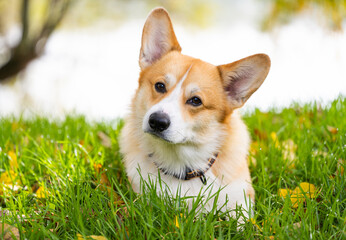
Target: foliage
x,y
65,180
35,31
332,11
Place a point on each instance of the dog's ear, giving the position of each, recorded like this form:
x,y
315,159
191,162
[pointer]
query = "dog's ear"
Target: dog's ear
x,y
158,38
242,78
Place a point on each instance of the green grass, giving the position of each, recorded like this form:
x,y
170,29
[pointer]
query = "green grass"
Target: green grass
x,y
61,157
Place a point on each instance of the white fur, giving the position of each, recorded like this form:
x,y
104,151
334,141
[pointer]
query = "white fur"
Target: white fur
x,y
189,141
137,146
229,197
189,149
179,131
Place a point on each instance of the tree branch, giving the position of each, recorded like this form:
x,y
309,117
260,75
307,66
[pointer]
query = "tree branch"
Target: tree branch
x,y
25,19
29,49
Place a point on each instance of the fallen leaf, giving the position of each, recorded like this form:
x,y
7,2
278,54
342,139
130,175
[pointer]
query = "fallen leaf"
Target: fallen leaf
x,y
260,134
332,130
289,149
254,147
97,167
42,192
304,122
274,138
8,232
8,182
307,188
8,177
14,126
176,222
81,142
253,222
284,192
104,182
13,160
340,167
105,140
297,196
117,200
91,237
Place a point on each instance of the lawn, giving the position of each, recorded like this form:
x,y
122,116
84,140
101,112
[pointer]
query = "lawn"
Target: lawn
x,y
65,180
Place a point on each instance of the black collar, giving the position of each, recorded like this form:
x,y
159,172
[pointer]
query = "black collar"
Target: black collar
x,y
190,173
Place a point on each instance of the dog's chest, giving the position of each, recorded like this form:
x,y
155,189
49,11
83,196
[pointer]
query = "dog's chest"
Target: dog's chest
x,y
145,168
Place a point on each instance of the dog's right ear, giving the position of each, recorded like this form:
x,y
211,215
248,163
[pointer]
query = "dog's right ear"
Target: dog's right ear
x,y
158,38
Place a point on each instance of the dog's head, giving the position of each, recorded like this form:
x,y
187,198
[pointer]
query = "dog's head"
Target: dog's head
x,y
182,100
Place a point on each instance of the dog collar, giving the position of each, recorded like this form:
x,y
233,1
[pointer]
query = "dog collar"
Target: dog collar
x,y
189,172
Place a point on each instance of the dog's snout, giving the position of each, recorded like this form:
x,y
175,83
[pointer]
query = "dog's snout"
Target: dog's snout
x,y
159,121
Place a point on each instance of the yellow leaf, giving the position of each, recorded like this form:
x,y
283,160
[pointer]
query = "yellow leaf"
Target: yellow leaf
x,y
13,159
297,195
253,221
332,130
91,237
254,147
97,167
283,192
8,177
41,192
296,200
274,138
176,222
308,189
8,182
14,126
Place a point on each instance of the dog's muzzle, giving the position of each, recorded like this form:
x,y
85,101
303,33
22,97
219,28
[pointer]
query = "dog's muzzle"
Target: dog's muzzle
x,y
159,121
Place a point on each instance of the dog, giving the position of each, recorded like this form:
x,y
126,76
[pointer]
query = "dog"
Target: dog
x,y
184,127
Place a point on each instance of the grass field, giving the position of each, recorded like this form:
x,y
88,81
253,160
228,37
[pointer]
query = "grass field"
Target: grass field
x,y
65,180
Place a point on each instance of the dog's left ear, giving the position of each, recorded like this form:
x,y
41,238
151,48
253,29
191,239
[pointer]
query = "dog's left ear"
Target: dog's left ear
x,y
158,38
242,78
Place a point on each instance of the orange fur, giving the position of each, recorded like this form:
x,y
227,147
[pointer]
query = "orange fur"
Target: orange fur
x,y
213,126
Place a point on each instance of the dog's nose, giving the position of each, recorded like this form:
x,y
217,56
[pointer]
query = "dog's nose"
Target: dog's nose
x,y
159,121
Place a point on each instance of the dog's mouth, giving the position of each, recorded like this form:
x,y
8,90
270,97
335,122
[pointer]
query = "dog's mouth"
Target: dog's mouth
x,y
161,136
158,135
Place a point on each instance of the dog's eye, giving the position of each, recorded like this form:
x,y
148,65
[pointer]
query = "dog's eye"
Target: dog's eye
x,y
160,87
194,101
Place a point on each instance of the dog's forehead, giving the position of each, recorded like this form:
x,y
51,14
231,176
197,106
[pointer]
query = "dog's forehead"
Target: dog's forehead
x,y
194,73
170,79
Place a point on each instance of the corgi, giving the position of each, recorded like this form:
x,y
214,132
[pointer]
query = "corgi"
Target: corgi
x,y
184,127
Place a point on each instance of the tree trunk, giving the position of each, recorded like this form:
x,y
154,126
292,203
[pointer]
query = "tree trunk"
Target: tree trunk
x,y
31,47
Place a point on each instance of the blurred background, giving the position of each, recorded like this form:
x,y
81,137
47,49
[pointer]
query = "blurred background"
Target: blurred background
x,y
81,56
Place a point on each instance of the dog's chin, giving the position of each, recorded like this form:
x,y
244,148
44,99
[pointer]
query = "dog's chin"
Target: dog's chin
x,y
162,137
